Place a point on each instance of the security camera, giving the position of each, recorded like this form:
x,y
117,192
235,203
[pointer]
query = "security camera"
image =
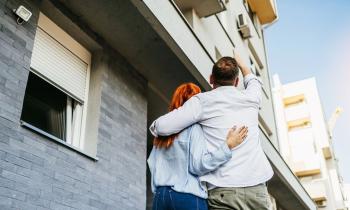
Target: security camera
x,y
23,14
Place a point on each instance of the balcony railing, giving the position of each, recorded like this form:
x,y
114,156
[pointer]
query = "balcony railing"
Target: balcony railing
x,y
294,100
306,168
316,189
299,123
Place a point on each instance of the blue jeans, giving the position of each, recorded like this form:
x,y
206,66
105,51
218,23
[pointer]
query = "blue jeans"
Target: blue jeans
x,y
166,198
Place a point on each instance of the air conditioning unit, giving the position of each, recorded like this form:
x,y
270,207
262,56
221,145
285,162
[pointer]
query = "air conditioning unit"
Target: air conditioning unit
x,y
243,26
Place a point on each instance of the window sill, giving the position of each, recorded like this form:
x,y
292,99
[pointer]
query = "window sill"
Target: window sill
x,y
54,138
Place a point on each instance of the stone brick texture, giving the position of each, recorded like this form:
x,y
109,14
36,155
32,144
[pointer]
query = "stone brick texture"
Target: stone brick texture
x,y
37,173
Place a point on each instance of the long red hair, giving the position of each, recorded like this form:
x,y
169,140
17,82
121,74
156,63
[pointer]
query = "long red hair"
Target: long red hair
x,y
180,96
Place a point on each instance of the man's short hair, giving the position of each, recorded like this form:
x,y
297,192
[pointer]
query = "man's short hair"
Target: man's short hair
x,y
225,71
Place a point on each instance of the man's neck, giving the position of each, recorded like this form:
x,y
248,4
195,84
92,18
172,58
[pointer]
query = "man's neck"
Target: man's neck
x,y
217,86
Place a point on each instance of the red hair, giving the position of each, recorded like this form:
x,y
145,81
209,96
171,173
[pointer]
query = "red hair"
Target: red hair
x,y
180,96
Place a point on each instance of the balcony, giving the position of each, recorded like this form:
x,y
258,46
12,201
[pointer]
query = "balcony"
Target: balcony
x,y
264,9
299,123
309,168
316,190
294,100
203,8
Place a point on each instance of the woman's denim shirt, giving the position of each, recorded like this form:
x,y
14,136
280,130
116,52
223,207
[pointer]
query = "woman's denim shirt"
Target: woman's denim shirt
x,y
180,165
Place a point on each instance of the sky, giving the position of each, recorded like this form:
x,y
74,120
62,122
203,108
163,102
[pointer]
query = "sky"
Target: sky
x,y
312,39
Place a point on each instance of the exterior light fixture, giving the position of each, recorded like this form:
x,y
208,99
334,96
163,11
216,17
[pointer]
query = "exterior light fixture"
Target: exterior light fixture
x,y
23,14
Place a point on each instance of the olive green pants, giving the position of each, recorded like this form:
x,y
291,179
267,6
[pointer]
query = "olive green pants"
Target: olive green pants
x,y
240,198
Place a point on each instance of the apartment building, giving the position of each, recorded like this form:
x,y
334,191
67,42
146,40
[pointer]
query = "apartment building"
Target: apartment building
x,y
80,81
305,141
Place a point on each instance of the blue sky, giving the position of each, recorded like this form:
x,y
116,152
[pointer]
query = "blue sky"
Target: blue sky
x,y
312,39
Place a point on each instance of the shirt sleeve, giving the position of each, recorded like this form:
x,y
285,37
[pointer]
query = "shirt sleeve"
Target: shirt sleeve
x,y
201,161
252,90
178,119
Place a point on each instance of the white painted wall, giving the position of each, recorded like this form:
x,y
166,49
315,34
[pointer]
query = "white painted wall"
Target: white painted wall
x,y
302,147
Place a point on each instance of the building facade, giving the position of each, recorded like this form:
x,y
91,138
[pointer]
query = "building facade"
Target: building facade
x,y
82,79
305,141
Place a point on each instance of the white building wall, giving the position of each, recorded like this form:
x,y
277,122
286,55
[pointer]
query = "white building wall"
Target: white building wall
x,y
302,147
285,148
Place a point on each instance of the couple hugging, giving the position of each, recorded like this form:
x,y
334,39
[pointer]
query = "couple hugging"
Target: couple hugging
x,y
203,155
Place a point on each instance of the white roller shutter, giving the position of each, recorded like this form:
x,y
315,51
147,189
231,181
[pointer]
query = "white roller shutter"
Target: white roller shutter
x,y
52,60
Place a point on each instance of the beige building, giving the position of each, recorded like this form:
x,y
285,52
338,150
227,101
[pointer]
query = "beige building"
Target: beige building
x,y
306,143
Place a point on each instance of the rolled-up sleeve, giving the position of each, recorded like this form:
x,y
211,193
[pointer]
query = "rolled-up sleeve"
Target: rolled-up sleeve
x,y
178,119
202,161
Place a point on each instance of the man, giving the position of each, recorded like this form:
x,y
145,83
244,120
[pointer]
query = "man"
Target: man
x,y
240,183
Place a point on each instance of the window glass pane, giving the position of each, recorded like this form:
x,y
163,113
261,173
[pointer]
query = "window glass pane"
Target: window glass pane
x,y
45,107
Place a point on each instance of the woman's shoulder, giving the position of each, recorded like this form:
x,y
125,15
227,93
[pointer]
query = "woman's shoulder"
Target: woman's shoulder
x,y
186,133
189,132
195,128
192,128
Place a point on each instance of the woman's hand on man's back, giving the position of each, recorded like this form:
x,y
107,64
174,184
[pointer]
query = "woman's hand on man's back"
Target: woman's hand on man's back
x,y
236,136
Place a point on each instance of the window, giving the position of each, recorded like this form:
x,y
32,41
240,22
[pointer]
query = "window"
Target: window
x,y
54,101
45,107
253,68
257,71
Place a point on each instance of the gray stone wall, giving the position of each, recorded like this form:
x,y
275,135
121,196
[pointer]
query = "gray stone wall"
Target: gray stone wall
x,y
122,134
37,173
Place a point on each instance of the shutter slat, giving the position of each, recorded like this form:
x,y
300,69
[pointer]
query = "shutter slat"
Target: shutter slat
x,y
59,65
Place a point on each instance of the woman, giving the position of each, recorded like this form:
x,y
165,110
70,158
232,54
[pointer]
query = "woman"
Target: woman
x,y
176,161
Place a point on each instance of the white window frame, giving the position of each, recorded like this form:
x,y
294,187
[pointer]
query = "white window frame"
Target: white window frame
x,y
47,25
